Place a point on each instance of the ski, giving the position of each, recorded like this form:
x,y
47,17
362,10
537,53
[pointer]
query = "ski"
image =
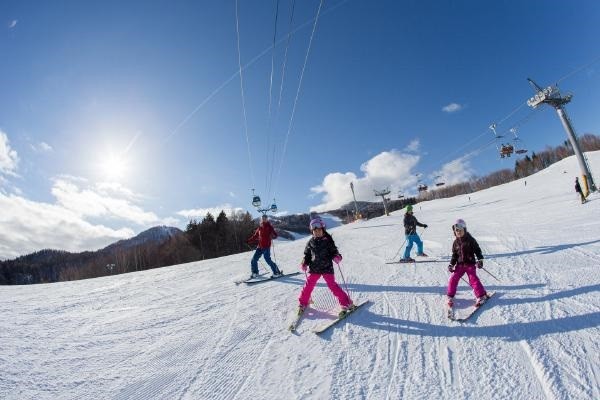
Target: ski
x,y
325,326
297,318
246,279
472,311
268,278
415,261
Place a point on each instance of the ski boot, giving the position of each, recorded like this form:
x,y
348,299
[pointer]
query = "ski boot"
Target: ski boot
x,y
481,300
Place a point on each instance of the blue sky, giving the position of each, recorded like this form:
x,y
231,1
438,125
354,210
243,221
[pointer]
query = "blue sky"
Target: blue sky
x,y
116,116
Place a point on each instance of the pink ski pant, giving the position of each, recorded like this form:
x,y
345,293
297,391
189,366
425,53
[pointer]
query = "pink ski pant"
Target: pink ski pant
x,y
311,281
471,271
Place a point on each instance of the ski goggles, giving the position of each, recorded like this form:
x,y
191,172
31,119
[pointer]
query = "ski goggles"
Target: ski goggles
x,y
458,227
316,224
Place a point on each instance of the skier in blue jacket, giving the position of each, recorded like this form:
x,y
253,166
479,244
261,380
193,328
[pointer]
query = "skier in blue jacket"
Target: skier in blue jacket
x,y
410,230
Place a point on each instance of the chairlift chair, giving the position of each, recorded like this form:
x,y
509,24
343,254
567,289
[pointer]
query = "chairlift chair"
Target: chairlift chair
x,y
506,150
255,199
516,140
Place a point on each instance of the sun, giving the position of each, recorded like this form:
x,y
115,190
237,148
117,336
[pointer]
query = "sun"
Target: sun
x,y
113,167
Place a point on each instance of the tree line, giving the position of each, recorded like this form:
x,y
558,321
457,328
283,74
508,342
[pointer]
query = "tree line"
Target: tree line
x,y
223,236
208,238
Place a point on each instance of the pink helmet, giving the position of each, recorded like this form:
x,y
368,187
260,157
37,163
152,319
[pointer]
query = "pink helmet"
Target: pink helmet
x,y
316,223
459,223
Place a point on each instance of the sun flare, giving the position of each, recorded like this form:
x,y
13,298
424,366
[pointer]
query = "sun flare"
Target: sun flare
x,y
113,167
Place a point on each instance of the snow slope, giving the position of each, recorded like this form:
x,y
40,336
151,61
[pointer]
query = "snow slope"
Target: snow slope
x,y
188,332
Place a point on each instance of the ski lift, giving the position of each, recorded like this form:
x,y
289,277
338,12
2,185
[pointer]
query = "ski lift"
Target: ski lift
x,y
506,150
493,128
255,199
274,206
400,195
516,140
439,182
422,188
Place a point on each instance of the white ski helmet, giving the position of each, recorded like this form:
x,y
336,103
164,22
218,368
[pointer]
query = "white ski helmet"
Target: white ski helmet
x,y
460,224
316,223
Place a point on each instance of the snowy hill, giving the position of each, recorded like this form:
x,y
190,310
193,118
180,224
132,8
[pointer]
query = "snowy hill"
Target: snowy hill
x,y
188,331
157,234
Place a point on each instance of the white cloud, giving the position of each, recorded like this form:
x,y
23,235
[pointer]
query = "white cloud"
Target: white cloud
x,y
452,107
9,158
91,202
41,147
389,169
413,146
12,23
115,188
199,213
31,226
455,171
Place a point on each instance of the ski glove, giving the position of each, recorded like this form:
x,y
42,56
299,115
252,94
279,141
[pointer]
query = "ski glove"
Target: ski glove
x,y
425,226
337,259
450,268
479,264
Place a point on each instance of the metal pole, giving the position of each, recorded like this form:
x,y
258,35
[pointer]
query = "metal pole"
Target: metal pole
x,y
355,206
564,118
385,206
490,274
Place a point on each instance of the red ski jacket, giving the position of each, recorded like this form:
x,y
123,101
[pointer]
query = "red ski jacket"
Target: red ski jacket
x,y
263,235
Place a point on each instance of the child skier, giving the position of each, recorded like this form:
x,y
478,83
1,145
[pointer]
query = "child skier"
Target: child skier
x,y
410,230
319,253
464,250
263,236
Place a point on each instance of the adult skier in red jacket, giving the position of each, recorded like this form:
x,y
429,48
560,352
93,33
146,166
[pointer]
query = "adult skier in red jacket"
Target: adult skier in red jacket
x,y
263,235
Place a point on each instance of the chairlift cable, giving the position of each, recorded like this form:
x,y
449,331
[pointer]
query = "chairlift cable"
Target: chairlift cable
x,y
237,26
287,45
270,115
283,69
260,55
287,136
576,70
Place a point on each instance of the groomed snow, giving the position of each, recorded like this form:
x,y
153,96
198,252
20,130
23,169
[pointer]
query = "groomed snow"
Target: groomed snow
x,y
188,332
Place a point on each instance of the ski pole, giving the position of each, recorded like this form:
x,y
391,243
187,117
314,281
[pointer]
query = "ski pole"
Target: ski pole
x,y
400,249
490,274
344,281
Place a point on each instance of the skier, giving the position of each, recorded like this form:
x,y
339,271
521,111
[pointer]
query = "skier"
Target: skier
x,y
263,236
464,250
578,190
319,255
410,230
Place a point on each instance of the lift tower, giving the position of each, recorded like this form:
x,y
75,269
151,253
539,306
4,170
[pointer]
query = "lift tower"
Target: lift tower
x,y
551,96
383,193
356,213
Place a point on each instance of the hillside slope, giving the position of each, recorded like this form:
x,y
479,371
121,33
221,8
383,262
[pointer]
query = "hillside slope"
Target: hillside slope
x,y
189,332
